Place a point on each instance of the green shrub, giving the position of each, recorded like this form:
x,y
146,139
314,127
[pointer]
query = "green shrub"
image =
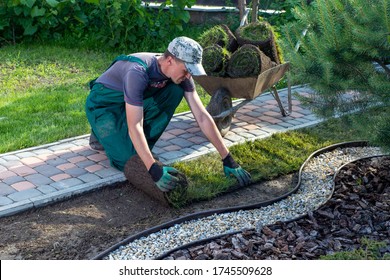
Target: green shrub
x,y
112,23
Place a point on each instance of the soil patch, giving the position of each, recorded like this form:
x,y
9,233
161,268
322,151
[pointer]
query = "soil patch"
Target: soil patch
x,y
84,226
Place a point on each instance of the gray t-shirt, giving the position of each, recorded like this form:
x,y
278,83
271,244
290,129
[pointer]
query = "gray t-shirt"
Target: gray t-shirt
x,y
133,80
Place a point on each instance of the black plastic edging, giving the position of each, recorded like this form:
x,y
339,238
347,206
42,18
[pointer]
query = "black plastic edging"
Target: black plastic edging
x,y
202,214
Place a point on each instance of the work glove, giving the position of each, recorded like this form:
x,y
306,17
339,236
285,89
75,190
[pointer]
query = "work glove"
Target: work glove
x,y
232,168
165,177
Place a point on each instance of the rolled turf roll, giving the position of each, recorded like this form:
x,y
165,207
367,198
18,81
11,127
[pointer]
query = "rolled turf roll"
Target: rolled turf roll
x,y
248,61
259,34
215,59
139,177
220,35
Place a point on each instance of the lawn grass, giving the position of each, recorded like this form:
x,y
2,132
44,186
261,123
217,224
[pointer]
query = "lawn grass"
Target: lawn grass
x,y
266,159
42,93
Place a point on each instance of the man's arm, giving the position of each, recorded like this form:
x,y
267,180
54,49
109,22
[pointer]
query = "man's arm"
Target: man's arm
x,y
208,127
134,116
206,122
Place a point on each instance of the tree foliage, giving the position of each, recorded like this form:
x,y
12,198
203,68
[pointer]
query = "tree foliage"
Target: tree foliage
x,y
343,56
113,22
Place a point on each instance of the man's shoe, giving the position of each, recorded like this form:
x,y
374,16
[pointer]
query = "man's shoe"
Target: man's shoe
x,y
94,143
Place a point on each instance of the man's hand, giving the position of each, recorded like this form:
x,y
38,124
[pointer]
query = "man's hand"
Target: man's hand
x,y
232,168
165,177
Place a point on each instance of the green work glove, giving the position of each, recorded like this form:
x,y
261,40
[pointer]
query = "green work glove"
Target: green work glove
x,y
164,177
232,168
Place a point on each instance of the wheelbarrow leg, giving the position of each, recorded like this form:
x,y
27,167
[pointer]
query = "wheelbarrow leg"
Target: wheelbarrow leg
x,y
275,94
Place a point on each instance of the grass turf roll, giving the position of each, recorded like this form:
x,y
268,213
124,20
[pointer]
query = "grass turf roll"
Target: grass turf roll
x,y
215,59
259,34
248,61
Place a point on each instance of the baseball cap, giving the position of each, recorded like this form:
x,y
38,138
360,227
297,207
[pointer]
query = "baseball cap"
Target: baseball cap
x,y
190,52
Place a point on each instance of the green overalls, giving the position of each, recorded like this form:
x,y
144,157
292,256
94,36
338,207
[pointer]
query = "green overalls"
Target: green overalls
x,y
105,109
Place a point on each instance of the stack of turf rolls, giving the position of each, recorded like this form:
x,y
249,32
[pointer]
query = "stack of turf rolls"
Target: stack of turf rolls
x,y
248,52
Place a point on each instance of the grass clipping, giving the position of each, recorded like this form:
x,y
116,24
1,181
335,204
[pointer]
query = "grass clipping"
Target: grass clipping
x,y
248,61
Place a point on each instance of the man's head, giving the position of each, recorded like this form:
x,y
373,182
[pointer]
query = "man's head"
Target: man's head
x,y
190,52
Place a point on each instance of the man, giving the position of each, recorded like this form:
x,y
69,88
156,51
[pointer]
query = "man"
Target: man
x,y
132,102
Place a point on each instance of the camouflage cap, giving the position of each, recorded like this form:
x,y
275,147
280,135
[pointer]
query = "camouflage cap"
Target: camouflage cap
x,y
190,52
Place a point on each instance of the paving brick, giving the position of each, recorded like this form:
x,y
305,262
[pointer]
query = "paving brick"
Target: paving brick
x,y
45,189
13,180
46,157
12,164
23,185
270,119
38,179
11,158
194,129
105,163
181,142
172,155
6,189
23,170
67,183
32,161
250,127
87,178
177,131
162,143
234,137
76,172
97,157
80,149
3,168
6,174
197,139
94,168
5,201
47,170
77,159
56,161
24,194
62,147
24,155
171,148
59,177
296,115
258,132
66,166
85,163
104,173
68,155
87,152
273,128
42,151
166,136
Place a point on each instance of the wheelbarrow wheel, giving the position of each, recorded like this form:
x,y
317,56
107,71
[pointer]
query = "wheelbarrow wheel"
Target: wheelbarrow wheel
x,y
220,102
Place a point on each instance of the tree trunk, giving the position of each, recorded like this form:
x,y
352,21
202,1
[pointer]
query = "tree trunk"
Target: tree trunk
x,y
241,8
255,7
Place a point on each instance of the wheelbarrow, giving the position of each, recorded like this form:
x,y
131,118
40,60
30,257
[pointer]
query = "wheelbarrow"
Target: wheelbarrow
x,y
223,89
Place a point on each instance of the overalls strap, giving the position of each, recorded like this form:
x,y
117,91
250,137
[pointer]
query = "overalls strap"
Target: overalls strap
x,y
123,57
